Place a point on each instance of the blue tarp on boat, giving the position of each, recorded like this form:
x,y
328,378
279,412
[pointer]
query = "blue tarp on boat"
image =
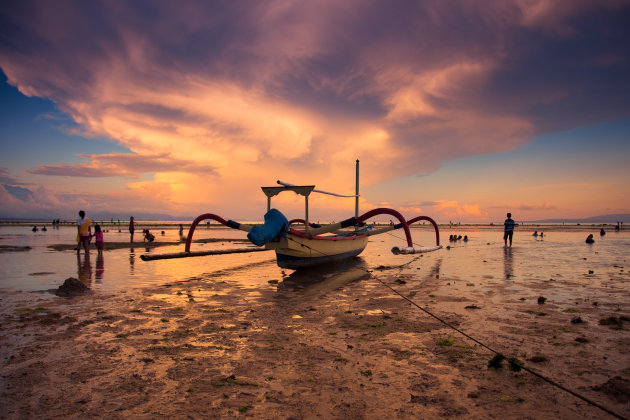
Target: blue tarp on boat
x,y
275,224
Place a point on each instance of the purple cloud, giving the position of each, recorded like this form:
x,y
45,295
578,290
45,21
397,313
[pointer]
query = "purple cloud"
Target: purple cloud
x,y
304,86
126,165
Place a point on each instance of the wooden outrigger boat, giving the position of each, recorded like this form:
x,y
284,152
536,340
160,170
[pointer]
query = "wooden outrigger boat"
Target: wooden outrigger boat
x,y
312,244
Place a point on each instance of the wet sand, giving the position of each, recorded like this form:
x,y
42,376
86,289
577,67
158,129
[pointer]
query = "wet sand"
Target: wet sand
x,y
344,342
344,347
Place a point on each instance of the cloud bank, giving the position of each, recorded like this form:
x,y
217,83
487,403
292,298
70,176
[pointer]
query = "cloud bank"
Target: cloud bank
x,y
216,98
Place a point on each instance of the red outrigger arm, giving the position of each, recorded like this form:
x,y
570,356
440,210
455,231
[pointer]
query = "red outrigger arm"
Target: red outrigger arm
x,y
404,224
428,219
229,223
353,221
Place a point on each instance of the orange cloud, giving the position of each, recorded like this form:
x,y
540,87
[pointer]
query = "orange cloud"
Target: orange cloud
x,y
215,100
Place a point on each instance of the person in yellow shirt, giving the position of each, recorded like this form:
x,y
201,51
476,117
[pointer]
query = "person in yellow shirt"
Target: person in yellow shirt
x,y
84,231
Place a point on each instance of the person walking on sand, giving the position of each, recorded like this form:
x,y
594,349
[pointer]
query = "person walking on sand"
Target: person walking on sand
x,y
508,229
84,232
132,228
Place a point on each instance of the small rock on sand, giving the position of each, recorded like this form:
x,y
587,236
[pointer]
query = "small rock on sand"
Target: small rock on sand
x,y
72,287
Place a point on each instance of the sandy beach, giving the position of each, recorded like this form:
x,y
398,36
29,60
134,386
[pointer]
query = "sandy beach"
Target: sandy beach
x,y
351,341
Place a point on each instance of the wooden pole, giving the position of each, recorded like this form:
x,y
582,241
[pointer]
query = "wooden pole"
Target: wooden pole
x,y
356,199
151,257
306,214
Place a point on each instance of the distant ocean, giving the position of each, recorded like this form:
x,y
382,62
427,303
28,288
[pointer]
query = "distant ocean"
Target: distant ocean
x,y
481,260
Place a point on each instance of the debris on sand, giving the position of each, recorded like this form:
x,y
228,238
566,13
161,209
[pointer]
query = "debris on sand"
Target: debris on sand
x,y
577,320
514,364
496,362
11,248
541,300
614,322
537,359
616,388
72,287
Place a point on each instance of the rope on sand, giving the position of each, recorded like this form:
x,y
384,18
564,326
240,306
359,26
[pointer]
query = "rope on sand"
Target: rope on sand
x,y
514,362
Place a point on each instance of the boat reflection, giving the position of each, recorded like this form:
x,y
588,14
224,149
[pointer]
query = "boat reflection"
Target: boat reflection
x,y
323,279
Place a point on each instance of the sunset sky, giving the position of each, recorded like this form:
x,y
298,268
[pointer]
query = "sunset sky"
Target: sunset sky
x,y
459,110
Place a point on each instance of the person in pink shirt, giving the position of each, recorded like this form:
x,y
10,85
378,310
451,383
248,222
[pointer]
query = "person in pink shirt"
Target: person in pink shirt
x,y
98,236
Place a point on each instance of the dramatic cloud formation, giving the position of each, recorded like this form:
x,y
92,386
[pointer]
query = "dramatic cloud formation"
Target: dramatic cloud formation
x,y
214,99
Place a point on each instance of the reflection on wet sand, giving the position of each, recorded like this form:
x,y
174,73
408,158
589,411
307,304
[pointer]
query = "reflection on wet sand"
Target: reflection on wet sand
x,y
318,280
132,259
508,263
84,269
434,273
100,268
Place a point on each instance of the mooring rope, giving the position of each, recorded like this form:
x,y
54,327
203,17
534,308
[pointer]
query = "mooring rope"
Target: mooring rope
x,y
514,362
511,360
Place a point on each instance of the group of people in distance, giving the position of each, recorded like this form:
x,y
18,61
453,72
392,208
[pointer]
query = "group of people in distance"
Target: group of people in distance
x,y
509,225
85,235
147,235
455,238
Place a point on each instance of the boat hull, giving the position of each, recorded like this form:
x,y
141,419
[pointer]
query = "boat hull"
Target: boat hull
x,y
296,251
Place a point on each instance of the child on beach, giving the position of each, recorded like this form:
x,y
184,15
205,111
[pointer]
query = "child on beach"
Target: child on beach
x,y
148,236
98,234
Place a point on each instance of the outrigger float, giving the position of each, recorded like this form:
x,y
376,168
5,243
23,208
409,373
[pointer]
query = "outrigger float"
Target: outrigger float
x,y
313,244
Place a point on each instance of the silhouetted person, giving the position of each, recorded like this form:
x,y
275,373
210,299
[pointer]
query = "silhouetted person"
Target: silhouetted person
x,y
589,239
602,232
148,236
84,232
132,228
508,229
98,235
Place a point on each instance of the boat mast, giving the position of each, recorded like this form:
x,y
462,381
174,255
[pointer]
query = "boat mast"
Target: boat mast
x,y
356,199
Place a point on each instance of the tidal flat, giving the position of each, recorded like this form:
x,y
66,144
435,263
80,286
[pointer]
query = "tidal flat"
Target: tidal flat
x,y
379,336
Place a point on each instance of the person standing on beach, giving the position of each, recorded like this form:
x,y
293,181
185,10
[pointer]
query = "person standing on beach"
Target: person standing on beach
x,y
98,234
132,228
508,229
84,232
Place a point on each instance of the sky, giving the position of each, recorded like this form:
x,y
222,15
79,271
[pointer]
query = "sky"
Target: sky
x,y
457,110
